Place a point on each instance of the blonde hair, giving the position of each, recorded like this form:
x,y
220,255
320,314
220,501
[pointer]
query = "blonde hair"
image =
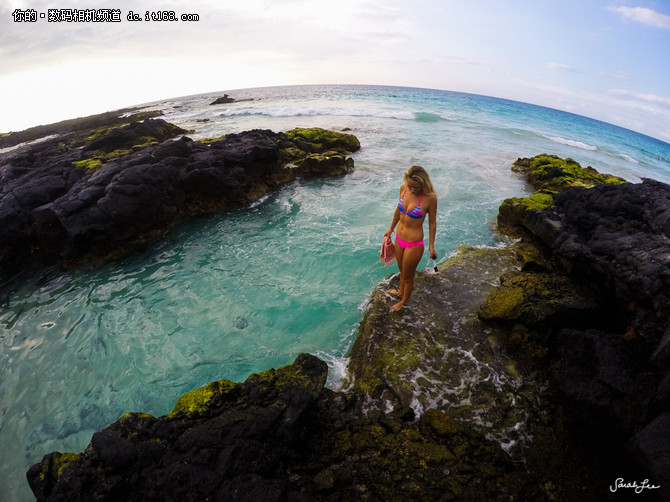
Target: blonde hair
x,y
419,174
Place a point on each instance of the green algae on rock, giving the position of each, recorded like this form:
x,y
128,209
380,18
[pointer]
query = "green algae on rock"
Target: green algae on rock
x,y
316,150
550,172
90,164
316,139
537,297
209,141
200,399
52,468
107,143
382,458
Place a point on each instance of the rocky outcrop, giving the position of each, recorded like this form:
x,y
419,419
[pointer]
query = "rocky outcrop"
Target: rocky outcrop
x,y
578,304
279,436
617,233
608,341
76,199
77,128
222,441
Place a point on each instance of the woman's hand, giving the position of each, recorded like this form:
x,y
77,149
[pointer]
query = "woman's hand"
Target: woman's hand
x,y
433,253
388,234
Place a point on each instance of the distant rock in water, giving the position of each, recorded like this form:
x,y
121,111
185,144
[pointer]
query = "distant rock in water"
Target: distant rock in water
x,y
223,100
97,194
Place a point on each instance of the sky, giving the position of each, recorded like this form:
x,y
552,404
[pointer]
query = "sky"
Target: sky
x,y
605,59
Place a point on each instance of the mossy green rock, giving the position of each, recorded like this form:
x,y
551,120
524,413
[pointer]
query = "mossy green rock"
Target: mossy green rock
x,y
318,140
315,151
549,172
107,143
384,459
533,298
523,213
199,400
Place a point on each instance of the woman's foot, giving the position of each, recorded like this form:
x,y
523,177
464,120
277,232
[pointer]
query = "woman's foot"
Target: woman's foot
x,y
394,292
397,307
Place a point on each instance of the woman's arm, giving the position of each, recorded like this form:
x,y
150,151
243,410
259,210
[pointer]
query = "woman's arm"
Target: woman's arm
x,y
432,226
396,219
396,215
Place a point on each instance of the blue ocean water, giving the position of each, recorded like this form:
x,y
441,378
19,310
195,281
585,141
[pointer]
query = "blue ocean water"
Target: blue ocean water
x,y
240,292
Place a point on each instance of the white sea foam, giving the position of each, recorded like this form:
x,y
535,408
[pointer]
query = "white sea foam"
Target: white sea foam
x,y
259,202
572,143
628,158
337,369
27,143
302,111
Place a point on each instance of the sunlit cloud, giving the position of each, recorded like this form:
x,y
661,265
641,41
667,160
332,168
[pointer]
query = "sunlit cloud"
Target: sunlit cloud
x,y
644,16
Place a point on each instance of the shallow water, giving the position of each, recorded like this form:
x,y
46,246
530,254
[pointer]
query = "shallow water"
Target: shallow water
x,y
240,292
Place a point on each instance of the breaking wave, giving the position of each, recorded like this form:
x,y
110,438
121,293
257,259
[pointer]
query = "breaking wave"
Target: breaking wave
x,y
298,111
573,143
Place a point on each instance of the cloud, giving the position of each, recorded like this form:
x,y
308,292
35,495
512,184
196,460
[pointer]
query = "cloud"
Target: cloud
x,y
647,98
558,67
618,75
644,16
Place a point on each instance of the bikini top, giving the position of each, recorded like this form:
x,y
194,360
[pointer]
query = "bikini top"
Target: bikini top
x,y
415,213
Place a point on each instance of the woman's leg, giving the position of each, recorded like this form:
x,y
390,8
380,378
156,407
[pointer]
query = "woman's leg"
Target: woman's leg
x,y
398,258
411,258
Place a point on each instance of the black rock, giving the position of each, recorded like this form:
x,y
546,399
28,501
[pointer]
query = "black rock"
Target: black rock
x,y
223,100
133,183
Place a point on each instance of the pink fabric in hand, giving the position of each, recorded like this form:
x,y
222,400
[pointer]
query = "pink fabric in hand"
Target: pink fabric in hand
x,y
387,254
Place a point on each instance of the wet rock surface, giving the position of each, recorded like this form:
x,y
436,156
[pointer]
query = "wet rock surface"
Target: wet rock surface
x,y
437,353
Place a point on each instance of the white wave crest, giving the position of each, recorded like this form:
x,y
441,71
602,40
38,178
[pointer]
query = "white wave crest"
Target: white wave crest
x,y
628,158
572,142
297,111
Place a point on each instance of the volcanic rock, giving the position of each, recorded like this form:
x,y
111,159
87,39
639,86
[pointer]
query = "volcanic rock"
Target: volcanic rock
x,y
74,200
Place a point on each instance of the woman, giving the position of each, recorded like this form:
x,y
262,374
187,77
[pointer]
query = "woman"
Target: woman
x,y
417,199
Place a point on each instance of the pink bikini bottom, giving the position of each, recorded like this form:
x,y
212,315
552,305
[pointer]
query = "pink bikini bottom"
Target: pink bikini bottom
x,y
404,244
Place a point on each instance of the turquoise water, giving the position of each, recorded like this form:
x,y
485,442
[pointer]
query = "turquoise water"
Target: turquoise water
x,y
240,292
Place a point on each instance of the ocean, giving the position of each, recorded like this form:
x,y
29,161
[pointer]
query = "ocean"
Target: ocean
x,y
228,295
